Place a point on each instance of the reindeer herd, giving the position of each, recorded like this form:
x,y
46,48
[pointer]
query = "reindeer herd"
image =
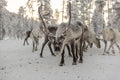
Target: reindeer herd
x,y
74,35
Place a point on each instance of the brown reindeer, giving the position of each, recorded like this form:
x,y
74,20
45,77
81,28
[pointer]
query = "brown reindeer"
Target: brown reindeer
x,y
51,29
67,33
50,40
112,35
49,32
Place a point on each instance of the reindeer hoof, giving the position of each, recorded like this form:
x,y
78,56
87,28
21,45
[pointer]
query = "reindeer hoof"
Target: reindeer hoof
x,y
53,55
80,61
61,64
113,52
41,56
103,54
107,52
35,49
74,63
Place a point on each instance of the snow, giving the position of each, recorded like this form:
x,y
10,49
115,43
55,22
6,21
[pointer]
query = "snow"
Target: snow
x,y
17,62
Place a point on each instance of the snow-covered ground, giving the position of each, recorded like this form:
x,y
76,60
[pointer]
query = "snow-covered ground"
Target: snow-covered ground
x,y
17,62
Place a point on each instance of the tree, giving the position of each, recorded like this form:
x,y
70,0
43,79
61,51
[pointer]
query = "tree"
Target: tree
x,y
84,10
114,21
98,18
20,23
3,3
56,15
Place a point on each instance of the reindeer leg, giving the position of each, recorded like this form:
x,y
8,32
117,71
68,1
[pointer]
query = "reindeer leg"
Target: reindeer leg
x,y
85,46
81,51
27,42
24,41
110,46
62,58
69,52
118,47
33,47
73,53
37,43
105,42
113,51
45,42
76,51
91,45
49,45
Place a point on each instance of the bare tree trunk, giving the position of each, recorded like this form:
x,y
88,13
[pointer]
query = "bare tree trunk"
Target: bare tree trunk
x,y
1,28
63,11
108,9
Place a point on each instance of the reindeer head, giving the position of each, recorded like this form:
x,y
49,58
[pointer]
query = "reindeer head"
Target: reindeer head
x,y
51,37
91,37
58,42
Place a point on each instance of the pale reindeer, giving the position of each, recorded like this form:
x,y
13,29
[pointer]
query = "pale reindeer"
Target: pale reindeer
x,y
112,35
91,38
36,33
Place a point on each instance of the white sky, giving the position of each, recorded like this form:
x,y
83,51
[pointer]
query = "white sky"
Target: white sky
x,y
13,5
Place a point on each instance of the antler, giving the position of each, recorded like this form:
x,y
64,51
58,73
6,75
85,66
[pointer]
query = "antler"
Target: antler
x,y
42,20
47,14
69,9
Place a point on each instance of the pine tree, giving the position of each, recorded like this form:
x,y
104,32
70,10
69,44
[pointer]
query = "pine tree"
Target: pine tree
x,y
2,7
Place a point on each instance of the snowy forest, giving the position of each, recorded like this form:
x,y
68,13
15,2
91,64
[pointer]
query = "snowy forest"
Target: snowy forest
x,y
93,13
60,40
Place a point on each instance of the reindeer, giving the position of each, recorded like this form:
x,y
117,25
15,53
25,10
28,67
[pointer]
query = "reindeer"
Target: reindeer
x,y
112,35
68,36
49,32
50,40
67,33
91,38
27,35
36,33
